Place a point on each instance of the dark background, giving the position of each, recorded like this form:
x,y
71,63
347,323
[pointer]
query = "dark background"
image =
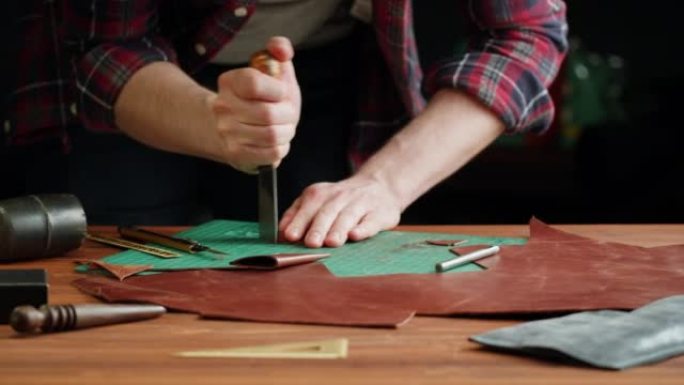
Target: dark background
x,y
615,170
627,169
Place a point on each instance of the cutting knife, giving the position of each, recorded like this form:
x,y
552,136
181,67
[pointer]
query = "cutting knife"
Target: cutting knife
x,y
268,204
268,177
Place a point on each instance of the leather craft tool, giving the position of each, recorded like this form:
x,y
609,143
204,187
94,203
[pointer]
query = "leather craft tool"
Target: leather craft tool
x,y
39,226
54,318
21,287
467,258
327,349
187,245
446,242
156,251
268,177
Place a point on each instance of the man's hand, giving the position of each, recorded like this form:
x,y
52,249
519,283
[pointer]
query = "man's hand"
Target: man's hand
x,y
328,214
256,114
440,140
249,123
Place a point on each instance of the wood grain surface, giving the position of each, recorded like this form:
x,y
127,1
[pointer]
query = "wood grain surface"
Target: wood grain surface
x,y
425,351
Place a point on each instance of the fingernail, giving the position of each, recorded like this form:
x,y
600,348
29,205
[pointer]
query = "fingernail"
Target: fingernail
x,y
356,233
293,233
314,237
334,238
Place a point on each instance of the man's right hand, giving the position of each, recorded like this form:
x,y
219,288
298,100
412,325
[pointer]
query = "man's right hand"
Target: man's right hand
x,y
256,114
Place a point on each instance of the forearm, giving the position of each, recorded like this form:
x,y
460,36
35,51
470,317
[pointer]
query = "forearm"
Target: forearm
x,y
443,138
513,55
164,108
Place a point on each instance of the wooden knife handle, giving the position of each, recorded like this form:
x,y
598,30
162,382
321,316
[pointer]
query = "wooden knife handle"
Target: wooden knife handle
x,y
265,62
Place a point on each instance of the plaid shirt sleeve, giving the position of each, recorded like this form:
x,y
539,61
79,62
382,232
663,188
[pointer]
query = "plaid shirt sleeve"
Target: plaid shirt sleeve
x,y
511,60
108,42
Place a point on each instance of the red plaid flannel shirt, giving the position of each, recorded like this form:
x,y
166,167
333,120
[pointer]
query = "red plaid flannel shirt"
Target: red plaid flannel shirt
x,y
79,54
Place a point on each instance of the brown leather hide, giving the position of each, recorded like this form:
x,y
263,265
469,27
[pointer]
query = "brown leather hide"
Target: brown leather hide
x,y
554,272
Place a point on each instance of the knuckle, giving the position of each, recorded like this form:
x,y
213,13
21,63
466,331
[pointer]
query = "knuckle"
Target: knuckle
x,y
289,133
271,136
313,192
292,112
248,85
328,210
340,194
351,214
268,114
318,192
223,127
233,153
225,79
281,151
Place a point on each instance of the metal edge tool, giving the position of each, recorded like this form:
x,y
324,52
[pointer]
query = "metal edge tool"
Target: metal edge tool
x,y
268,176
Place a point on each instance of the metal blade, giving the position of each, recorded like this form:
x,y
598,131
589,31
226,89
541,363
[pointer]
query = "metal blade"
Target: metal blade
x,y
268,204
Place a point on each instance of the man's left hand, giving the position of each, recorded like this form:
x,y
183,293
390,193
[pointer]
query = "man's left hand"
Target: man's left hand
x,y
329,214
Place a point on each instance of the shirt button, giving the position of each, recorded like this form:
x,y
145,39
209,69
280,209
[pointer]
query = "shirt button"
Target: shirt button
x,y
240,12
7,127
73,109
200,49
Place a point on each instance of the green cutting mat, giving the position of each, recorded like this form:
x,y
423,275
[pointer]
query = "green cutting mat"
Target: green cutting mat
x,y
390,252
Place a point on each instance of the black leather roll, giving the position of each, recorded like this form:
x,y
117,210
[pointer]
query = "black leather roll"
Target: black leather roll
x,y
38,226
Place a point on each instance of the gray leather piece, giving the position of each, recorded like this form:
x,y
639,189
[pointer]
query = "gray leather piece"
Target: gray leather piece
x,y
606,338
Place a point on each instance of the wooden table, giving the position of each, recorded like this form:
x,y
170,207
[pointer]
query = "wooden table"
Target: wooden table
x,y
425,351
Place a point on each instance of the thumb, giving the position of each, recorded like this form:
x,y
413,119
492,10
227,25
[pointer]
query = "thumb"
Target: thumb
x,y
280,48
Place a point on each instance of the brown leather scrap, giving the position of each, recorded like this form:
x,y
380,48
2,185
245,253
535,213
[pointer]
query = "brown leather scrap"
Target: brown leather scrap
x,y
119,271
276,261
554,272
255,262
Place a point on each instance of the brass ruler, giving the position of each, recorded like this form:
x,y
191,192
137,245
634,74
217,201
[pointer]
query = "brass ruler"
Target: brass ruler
x,y
326,349
156,251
